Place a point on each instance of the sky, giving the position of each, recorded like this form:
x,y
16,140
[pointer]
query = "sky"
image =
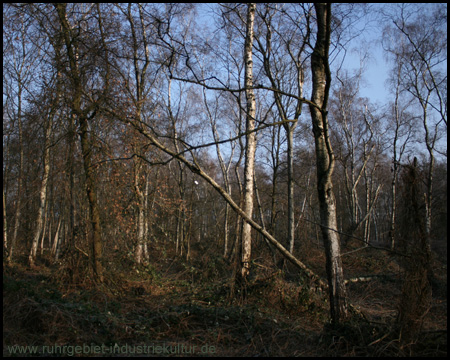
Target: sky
x,y
368,44
376,66
374,76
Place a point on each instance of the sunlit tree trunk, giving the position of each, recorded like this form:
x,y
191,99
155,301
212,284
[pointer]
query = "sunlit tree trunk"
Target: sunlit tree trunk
x,y
290,157
55,244
5,226
43,192
46,159
325,164
250,145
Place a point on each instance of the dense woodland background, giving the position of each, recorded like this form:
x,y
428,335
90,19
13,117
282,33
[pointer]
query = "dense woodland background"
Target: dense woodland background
x,y
211,174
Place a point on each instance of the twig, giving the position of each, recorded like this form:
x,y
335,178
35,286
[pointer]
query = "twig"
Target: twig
x,y
378,340
84,253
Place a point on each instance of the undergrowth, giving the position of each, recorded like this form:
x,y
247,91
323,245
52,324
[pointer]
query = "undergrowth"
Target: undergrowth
x,y
190,308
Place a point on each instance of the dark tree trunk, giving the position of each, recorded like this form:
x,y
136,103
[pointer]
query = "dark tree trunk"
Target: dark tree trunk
x,y
325,164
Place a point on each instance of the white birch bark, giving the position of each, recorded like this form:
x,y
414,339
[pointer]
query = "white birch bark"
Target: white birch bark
x,y
42,193
250,145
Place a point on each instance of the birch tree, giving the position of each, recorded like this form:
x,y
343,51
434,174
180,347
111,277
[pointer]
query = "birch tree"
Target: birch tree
x,y
417,37
49,110
281,44
402,132
357,146
139,45
18,63
43,189
85,111
250,141
325,161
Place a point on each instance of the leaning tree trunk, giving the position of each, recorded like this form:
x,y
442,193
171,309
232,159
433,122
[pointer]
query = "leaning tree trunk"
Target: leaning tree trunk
x,y
325,164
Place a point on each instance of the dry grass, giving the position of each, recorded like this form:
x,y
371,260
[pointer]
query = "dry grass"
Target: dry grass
x,y
187,309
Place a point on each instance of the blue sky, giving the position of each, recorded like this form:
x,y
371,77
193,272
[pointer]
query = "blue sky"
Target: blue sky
x,y
375,75
377,67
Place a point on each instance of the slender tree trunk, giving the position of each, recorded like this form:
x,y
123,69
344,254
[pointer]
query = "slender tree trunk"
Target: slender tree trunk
x,y
234,248
55,244
5,226
86,148
71,175
19,177
325,164
395,163
289,129
140,199
430,142
225,170
44,227
275,164
225,230
146,214
393,206
250,145
46,160
43,192
291,219
140,72
5,191
369,190
181,218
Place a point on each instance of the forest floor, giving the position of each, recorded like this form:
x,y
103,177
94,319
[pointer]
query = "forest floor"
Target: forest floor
x,y
187,308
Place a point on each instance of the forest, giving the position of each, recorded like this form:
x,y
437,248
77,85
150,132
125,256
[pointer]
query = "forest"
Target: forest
x,y
187,179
